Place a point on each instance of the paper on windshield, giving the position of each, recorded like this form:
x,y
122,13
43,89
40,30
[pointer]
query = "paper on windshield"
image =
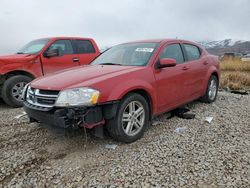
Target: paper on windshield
x,y
144,50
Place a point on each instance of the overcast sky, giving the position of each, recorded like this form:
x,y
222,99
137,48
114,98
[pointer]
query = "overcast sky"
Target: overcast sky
x,y
115,21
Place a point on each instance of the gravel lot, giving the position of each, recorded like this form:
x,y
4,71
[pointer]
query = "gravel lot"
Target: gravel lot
x,y
203,155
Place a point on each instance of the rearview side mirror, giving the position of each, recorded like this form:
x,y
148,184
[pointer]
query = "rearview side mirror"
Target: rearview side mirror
x,y
51,53
166,62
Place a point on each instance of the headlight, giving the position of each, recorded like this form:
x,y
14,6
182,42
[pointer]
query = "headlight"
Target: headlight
x,y
78,97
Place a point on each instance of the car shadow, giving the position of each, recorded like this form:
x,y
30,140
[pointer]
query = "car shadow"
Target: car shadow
x,y
2,104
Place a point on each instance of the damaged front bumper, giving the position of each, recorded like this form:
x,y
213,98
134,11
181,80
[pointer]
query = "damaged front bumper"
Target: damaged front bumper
x,y
74,117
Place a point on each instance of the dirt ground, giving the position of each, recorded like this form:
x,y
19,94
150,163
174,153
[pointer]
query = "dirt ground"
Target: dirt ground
x,y
200,154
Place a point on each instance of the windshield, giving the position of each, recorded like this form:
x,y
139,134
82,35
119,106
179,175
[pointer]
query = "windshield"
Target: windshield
x,y
131,54
33,47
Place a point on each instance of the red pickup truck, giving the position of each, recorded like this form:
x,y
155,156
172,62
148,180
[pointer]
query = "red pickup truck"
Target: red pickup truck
x,y
41,57
125,87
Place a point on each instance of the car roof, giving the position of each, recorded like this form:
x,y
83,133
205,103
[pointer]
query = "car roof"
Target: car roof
x,y
165,41
62,37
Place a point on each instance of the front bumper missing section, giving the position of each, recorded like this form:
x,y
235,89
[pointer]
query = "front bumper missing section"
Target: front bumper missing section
x,y
87,117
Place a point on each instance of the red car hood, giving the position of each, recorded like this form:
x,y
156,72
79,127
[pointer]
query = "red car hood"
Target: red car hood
x,y
16,58
80,77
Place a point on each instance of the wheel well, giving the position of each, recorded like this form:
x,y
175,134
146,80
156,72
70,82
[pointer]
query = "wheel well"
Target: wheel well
x,y
145,94
14,73
215,74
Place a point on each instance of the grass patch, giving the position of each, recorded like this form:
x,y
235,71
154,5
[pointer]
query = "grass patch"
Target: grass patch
x,y
235,80
234,64
235,74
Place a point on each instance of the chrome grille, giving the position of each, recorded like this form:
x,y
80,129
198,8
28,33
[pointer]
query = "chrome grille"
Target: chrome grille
x,y
41,98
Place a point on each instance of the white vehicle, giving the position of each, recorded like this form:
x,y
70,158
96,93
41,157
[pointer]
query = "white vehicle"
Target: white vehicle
x,y
246,58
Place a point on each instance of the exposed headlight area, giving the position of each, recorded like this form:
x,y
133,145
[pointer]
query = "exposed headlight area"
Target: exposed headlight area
x,y
77,97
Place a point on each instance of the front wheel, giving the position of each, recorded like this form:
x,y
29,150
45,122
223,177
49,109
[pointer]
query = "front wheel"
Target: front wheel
x,y
212,90
13,88
131,120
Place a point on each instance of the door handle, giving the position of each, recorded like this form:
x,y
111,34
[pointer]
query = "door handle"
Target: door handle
x,y
185,68
205,62
75,59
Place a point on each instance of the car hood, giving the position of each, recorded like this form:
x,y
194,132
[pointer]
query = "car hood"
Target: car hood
x,y
84,76
16,58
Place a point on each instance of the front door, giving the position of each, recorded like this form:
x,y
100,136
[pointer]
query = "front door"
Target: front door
x,y
66,58
170,80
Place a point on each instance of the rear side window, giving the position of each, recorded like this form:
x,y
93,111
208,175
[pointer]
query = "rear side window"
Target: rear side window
x,y
63,46
84,47
192,52
173,51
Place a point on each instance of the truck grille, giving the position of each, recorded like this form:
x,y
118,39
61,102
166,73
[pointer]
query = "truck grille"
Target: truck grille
x,y
41,98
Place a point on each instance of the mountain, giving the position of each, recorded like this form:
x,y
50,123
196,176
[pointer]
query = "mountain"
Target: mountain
x,y
227,46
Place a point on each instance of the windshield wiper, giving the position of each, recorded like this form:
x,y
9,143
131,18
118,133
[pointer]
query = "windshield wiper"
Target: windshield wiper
x,y
110,64
20,53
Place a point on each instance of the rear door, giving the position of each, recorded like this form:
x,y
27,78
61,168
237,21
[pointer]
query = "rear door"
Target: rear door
x,y
170,80
66,58
85,51
195,72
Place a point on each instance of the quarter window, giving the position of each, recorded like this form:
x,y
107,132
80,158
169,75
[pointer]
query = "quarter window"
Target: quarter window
x,y
173,51
63,46
192,52
84,47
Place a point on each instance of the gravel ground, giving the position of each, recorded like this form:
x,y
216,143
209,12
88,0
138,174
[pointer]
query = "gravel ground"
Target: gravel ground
x,y
202,155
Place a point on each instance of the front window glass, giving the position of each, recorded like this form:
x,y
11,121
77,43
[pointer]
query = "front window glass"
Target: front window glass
x,y
131,54
63,47
33,47
173,51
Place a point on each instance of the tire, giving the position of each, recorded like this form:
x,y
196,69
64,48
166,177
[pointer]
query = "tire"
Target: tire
x,y
132,110
12,90
212,90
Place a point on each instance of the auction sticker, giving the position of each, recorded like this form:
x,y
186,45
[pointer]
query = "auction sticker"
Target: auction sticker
x,y
144,49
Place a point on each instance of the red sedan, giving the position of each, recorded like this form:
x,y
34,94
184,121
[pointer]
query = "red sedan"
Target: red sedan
x,y
125,87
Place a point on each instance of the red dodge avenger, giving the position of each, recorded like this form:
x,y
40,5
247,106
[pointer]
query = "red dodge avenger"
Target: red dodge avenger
x,y
125,87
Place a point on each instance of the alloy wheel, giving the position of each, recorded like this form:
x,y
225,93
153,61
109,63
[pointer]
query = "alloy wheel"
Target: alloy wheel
x,y
133,118
17,91
212,89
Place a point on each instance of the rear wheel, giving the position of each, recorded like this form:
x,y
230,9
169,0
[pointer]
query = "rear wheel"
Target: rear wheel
x,y
13,88
212,90
131,120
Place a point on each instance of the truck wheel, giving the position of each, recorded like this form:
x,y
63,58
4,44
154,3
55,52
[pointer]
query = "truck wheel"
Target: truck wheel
x,y
212,90
13,88
131,120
